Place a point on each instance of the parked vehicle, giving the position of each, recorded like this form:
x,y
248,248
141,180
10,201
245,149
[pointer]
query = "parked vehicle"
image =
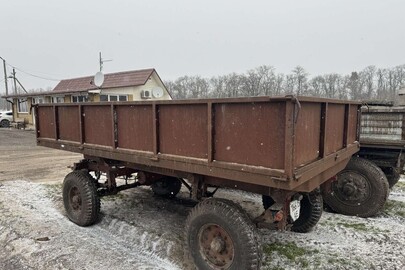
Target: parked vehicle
x,y
283,148
6,117
363,187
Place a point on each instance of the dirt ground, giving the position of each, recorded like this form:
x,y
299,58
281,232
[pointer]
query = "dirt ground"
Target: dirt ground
x,y
140,231
22,159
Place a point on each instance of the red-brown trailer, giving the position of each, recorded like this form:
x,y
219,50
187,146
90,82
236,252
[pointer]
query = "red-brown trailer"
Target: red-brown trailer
x,y
275,146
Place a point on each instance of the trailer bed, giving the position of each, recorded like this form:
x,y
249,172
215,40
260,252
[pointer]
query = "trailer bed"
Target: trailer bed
x,y
253,144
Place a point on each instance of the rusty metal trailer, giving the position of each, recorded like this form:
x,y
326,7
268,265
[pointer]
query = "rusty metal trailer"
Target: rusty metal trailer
x,y
281,147
382,139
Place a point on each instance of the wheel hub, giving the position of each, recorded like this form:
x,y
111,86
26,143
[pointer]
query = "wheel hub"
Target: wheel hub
x,y
349,189
216,246
352,187
75,199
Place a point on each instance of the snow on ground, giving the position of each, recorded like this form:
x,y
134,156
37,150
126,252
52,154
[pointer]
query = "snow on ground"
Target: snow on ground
x,y
140,231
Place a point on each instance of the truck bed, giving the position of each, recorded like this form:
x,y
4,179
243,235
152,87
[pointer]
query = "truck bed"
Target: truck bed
x,y
247,143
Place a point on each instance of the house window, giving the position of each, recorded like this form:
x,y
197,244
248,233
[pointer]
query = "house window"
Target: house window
x,y
58,99
22,106
79,98
38,100
113,97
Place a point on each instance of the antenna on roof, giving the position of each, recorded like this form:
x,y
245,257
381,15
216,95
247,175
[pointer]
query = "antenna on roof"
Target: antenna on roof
x,y
101,61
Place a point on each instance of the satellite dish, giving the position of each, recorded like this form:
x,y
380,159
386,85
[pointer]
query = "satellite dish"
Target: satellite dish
x,y
98,79
157,92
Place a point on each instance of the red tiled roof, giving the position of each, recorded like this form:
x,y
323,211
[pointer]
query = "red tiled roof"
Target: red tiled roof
x,y
111,80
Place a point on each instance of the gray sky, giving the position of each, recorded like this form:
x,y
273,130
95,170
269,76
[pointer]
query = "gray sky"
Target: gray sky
x,y
61,39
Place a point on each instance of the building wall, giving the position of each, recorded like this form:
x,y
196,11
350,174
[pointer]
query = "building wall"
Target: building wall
x,y
28,119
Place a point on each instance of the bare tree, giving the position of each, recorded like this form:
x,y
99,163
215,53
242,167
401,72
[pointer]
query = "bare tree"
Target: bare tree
x,y
368,76
251,83
263,80
300,80
316,86
278,84
234,85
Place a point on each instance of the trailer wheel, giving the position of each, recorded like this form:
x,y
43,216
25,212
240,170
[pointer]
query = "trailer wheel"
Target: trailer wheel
x,y
310,212
361,189
80,198
167,187
392,175
220,235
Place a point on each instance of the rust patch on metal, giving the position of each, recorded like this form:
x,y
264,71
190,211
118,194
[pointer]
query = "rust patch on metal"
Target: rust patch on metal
x,y
97,125
69,123
352,124
134,127
308,133
183,130
335,128
250,133
46,123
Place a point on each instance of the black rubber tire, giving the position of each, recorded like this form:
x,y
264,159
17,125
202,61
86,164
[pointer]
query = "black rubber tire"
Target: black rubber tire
x,y
4,123
81,186
237,224
392,176
367,201
167,187
310,212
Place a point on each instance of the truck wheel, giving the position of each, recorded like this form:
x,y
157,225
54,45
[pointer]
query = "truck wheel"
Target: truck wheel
x,y
80,198
167,187
392,175
220,235
361,189
310,212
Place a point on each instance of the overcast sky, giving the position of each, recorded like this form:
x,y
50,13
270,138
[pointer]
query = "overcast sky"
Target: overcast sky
x,y
62,39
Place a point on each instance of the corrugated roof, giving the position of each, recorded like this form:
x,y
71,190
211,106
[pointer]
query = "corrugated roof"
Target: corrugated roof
x,y
111,80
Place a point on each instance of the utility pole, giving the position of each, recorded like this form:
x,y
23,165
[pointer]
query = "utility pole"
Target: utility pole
x,y
15,82
5,81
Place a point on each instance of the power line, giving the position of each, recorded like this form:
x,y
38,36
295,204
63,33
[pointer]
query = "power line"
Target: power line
x,y
33,75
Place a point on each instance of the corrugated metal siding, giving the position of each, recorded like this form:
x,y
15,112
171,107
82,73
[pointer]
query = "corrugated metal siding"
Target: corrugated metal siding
x,y
384,123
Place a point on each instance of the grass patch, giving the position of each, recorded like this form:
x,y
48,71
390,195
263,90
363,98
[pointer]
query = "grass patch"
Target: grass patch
x,y
291,251
54,190
399,187
361,227
394,208
118,196
355,226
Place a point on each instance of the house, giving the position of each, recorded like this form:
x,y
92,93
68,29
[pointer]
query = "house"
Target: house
x,y
121,86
